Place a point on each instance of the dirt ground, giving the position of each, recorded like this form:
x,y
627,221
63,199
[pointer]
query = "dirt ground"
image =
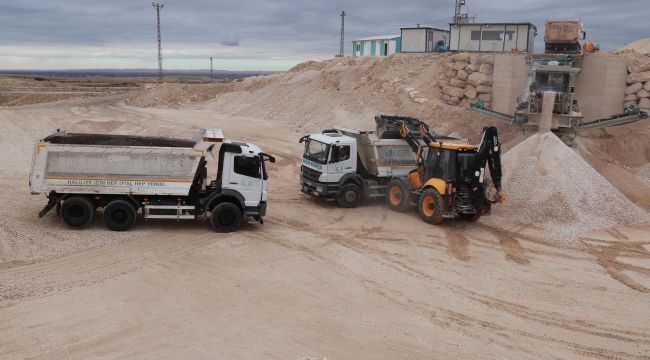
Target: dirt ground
x,y
313,282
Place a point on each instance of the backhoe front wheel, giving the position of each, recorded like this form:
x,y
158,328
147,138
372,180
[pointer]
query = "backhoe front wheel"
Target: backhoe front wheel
x,y
430,206
398,194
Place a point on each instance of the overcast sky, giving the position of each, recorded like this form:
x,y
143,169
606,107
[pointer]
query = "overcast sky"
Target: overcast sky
x,y
261,34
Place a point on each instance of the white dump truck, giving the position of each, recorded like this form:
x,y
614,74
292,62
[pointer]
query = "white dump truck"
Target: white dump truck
x,y
165,178
350,166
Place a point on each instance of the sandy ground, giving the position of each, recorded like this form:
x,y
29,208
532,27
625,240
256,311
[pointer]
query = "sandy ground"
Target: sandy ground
x,y
314,281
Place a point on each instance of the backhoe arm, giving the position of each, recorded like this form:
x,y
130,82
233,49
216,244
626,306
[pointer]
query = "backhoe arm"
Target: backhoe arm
x,y
489,153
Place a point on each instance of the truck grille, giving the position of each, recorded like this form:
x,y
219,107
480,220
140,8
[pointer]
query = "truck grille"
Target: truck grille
x,y
311,174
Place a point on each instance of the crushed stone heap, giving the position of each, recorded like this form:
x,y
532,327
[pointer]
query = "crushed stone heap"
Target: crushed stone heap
x,y
551,187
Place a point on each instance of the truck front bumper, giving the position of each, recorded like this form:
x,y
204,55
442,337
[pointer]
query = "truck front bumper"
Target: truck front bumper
x,y
319,189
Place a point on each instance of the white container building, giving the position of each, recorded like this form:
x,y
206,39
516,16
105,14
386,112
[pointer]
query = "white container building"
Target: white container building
x,y
422,39
492,37
376,46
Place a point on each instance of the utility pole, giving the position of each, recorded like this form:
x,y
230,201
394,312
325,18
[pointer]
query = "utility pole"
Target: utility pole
x,y
160,70
342,51
211,68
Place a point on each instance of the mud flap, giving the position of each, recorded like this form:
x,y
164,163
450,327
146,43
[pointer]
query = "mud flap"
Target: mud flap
x,y
51,203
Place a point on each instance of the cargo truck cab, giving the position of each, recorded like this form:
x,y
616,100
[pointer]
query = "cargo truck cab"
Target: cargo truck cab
x,y
329,157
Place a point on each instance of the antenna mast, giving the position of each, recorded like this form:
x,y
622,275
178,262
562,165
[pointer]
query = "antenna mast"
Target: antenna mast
x,y
211,77
160,70
459,17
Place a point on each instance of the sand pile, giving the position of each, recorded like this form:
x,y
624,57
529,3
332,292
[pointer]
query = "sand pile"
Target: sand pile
x,y
552,188
174,95
644,173
641,46
314,95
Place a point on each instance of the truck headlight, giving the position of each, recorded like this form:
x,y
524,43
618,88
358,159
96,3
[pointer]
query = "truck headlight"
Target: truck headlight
x,y
319,188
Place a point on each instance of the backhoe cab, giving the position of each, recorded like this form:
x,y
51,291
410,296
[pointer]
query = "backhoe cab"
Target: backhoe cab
x,y
450,179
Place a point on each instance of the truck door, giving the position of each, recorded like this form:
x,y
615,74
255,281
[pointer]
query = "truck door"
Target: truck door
x,y
244,175
342,161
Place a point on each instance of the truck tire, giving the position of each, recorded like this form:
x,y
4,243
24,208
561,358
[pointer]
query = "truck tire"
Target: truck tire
x,y
398,195
119,215
430,206
77,211
349,196
225,217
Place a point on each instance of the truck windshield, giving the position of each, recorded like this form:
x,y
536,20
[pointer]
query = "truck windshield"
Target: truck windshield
x,y
316,151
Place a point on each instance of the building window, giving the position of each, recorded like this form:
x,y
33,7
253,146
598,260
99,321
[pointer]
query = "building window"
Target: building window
x,y
358,47
476,35
492,35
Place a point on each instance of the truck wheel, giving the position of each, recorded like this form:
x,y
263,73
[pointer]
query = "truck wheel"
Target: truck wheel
x,y
430,207
77,211
225,217
349,196
398,195
119,215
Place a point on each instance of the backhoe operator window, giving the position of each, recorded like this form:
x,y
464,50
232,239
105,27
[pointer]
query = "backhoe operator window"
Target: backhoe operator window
x,y
247,166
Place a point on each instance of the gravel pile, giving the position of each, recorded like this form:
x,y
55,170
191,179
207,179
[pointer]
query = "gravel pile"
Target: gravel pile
x,y
644,173
551,187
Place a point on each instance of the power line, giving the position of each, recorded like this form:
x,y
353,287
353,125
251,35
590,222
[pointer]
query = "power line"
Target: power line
x,y
431,22
160,69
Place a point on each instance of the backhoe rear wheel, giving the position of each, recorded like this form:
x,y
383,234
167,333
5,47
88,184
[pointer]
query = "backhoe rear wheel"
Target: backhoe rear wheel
x,y
398,195
430,207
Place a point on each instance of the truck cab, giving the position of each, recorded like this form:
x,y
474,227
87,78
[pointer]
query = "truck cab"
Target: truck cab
x,y
328,159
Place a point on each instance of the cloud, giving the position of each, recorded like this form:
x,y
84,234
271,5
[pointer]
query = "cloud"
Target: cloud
x,y
291,30
230,40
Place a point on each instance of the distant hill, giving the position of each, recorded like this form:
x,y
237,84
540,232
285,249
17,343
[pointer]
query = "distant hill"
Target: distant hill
x,y
138,73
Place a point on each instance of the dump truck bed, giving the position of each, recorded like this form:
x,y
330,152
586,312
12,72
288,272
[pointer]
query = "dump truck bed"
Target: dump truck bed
x,y
562,31
382,157
115,164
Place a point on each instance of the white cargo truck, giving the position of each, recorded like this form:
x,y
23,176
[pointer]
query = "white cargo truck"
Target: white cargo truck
x,y
350,166
164,178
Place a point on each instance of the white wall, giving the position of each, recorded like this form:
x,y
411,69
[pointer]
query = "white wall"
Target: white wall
x,y
414,40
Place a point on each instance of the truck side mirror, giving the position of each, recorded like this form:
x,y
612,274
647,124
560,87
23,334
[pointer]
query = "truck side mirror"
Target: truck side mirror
x,y
303,139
